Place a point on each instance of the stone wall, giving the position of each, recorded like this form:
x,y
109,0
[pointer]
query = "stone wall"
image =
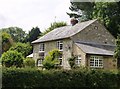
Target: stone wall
x,y
49,46
36,48
108,62
96,33
77,51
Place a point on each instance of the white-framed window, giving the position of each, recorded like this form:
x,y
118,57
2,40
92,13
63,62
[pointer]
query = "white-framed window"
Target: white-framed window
x,y
60,59
78,60
42,47
96,61
42,55
60,45
39,63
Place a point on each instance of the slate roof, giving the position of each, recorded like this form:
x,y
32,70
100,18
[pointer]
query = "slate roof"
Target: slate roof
x,y
64,32
94,48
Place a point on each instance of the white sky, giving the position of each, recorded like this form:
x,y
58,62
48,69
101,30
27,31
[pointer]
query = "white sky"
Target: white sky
x,y
31,13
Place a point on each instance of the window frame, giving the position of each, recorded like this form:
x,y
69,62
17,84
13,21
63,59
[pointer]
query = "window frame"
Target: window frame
x,y
59,45
39,62
42,47
61,59
78,60
96,61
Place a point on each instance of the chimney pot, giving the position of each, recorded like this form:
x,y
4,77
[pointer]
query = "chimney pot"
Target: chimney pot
x,y
73,21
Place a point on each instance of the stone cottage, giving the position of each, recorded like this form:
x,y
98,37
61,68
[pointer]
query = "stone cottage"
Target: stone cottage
x,y
89,41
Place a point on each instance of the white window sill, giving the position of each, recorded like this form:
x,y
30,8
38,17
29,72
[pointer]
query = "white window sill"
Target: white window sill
x,y
39,65
96,67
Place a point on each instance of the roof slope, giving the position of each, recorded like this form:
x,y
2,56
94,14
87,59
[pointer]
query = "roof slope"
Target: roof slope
x,y
64,32
93,48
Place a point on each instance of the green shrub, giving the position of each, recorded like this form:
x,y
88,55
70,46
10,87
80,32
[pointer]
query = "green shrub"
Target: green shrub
x,y
52,60
29,62
31,78
12,58
23,48
72,61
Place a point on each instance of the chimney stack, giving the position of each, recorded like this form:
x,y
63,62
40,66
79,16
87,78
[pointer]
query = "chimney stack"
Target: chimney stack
x,y
73,21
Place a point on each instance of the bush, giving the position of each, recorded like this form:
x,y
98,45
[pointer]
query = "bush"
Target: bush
x,y
23,48
72,61
31,78
52,60
29,62
12,58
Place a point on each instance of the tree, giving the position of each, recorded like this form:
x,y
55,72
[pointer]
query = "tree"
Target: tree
x,y
81,10
33,34
107,12
17,34
53,26
12,58
7,42
117,51
23,48
52,59
0,43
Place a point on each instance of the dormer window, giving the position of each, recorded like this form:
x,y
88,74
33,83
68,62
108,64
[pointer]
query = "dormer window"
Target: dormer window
x,y
42,46
60,45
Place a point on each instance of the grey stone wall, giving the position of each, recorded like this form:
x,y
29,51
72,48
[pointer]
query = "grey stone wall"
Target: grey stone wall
x,y
77,51
96,33
36,48
49,46
108,61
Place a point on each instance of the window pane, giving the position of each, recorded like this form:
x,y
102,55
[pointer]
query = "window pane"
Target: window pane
x,y
42,47
60,59
40,62
60,45
96,61
78,60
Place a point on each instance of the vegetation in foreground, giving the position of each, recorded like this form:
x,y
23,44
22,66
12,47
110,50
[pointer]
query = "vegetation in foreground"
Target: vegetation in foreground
x,y
29,78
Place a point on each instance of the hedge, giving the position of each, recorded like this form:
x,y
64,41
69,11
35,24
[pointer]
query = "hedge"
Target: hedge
x,y
31,78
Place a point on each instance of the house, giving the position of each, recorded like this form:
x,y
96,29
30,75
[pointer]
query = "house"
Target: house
x,y
89,41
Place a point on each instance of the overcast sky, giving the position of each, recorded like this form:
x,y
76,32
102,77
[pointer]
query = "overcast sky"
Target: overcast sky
x,y
30,13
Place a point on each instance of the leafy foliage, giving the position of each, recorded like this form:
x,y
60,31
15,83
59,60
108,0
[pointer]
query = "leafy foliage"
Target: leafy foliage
x,y
29,62
7,41
0,43
23,48
31,78
72,61
81,10
53,26
33,34
117,51
17,34
52,59
12,58
107,12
